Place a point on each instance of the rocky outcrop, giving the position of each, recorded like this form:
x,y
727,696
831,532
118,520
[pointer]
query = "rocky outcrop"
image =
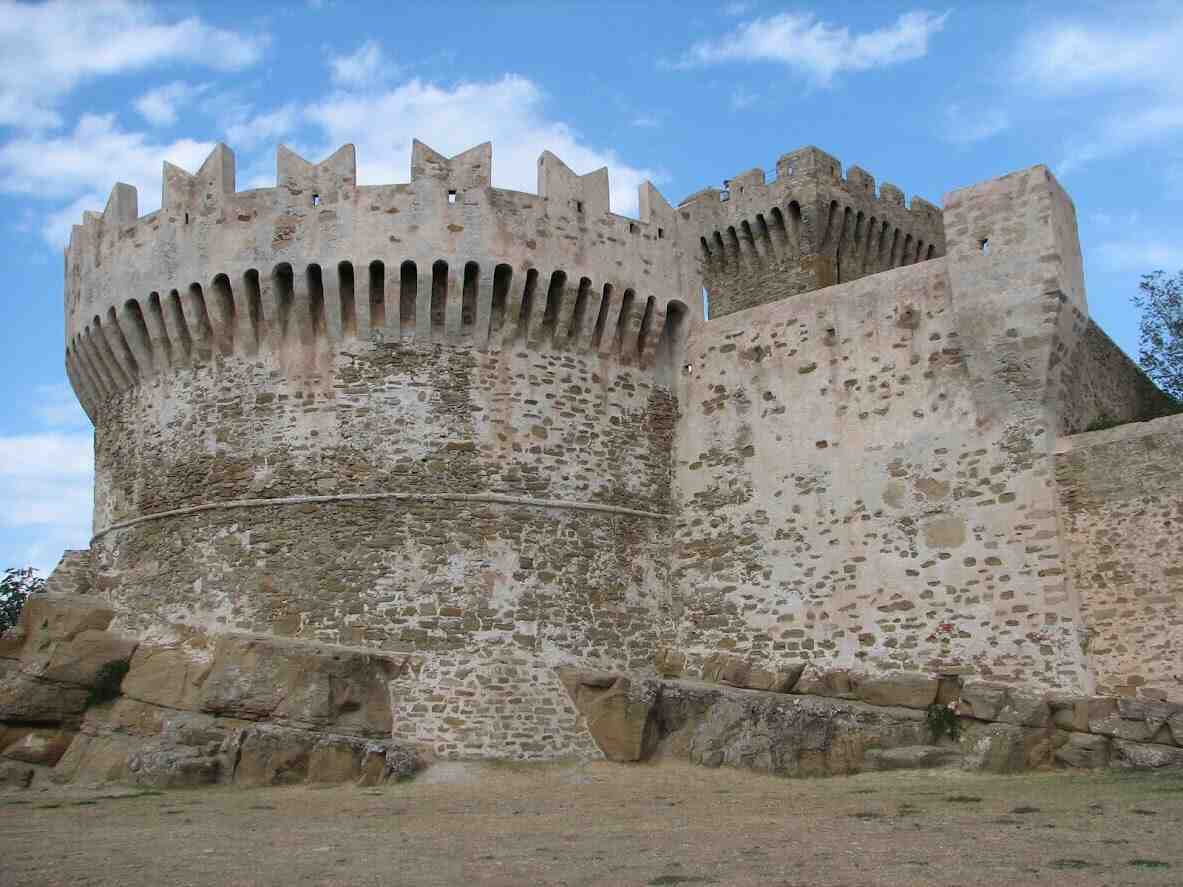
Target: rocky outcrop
x,y
188,709
617,711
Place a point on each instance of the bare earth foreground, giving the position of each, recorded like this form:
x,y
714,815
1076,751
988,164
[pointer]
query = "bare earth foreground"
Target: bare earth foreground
x,y
606,824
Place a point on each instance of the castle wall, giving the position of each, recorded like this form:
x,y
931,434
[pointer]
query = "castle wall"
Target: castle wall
x,y
865,471
527,526
1104,385
1121,495
762,241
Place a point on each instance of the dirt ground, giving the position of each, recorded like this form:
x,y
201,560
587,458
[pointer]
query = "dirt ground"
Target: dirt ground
x,y
608,824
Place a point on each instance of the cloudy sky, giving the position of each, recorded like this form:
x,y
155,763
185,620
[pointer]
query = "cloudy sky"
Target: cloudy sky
x,y
931,98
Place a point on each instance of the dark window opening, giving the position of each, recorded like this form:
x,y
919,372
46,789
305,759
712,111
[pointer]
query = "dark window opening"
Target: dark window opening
x,y
451,197
316,200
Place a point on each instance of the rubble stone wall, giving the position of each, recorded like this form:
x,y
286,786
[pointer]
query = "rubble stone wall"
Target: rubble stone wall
x,y
1122,507
865,471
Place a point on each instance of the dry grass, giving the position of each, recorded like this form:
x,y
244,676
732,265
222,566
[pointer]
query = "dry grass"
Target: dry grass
x,y
608,824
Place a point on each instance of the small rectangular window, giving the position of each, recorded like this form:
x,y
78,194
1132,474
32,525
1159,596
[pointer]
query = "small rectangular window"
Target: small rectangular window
x,y
316,200
579,206
660,233
451,197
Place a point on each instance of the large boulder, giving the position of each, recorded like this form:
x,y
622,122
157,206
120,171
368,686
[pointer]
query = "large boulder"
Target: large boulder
x,y
618,711
49,618
735,671
1082,750
30,700
170,672
1005,748
906,688
1145,756
38,745
301,684
837,682
783,735
269,755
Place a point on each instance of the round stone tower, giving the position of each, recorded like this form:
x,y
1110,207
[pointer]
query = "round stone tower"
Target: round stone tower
x,y
432,417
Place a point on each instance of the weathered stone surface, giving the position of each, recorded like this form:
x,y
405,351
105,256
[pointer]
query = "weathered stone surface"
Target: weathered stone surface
x,y
735,671
814,681
982,699
32,700
1070,712
1025,708
39,746
49,618
16,775
1004,748
1145,756
282,756
908,689
300,683
913,757
1083,750
774,733
669,663
618,711
170,674
80,659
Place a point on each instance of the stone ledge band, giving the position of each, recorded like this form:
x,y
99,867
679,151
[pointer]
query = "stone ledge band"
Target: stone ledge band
x,y
369,497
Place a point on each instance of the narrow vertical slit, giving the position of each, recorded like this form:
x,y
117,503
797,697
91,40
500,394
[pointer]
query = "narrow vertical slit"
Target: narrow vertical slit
x,y
502,279
602,316
282,282
468,294
316,302
138,331
178,315
254,306
580,313
157,312
554,302
408,281
646,325
125,352
347,293
224,308
528,291
377,295
622,322
439,294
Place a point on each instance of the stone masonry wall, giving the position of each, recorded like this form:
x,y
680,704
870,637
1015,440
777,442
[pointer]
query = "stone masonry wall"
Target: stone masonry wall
x,y
1122,507
865,472
520,520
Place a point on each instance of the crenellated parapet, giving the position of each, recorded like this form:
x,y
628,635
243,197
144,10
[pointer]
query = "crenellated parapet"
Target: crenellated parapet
x,y
810,227
320,260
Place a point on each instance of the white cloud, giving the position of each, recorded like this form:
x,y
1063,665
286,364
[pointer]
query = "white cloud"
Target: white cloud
x,y
267,128
509,112
159,106
742,98
50,48
1122,131
817,49
965,126
46,482
1088,56
1140,254
1121,71
365,66
84,164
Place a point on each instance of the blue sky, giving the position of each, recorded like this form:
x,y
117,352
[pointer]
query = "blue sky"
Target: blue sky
x,y
930,98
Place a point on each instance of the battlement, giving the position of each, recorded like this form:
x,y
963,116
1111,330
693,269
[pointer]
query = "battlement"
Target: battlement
x,y
808,228
320,259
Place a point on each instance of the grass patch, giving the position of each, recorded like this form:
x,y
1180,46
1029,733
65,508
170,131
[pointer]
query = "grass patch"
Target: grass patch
x,y
1149,864
1071,864
1025,808
963,799
866,815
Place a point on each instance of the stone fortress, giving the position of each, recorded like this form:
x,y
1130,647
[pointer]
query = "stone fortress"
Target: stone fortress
x,y
390,473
